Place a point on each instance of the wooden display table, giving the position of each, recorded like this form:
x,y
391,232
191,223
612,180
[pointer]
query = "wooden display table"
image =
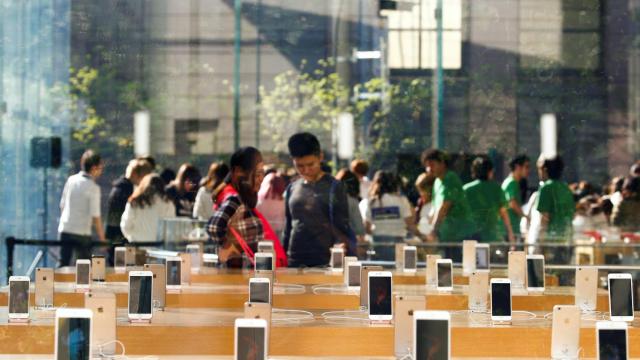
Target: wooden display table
x,y
210,332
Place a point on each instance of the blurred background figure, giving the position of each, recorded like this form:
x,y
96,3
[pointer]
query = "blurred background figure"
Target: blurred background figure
x,y
361,169
271,201
203,207
352,188
182,191
424,209
626,214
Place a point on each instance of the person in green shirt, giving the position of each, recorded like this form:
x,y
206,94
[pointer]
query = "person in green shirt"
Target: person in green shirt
x,y
452,220
555,202
487,202
519,166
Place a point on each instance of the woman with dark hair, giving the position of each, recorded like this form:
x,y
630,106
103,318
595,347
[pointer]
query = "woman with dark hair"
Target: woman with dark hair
x,y
271,200
203,208
388,215
147,205
183,189
236,225
352,187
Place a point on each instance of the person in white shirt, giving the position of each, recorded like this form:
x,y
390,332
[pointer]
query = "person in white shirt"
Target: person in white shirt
x,y
361,168
145,208
425,212
203,208
271,201
80,208
388,216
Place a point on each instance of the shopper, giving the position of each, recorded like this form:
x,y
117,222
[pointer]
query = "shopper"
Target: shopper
x,y
361,168
388,216
453,221
317,211
555,202
80,208
626,215
352,188
148,204
424,211
271,201
203,207
119,196
183,190
487,202
520,167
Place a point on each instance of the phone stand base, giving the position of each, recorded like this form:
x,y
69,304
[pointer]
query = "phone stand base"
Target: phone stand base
x,y
19,321
48,307
140,321
380,322
500,323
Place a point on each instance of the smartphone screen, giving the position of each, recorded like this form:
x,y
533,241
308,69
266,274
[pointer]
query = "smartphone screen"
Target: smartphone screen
x,y
73,339
380,295
444,275
482,258
259,292
251,343
19,295
336,259
409,259
621,301
173,272
535,273
140,292
119,260
501,299
264,263
432,341
354,275
82,276
612,344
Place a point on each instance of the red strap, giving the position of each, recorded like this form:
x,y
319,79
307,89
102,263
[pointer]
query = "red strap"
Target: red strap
x,y
243,244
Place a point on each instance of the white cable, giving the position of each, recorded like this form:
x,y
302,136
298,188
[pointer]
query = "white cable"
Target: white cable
x,y
122,355
343,315
306,315
329,287
533,316
407,357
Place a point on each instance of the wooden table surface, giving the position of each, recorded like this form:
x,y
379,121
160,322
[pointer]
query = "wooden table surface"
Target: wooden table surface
x,y
210,332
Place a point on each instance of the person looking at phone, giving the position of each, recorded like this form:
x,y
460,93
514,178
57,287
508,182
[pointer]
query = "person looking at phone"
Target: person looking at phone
x,y
316,207
80,207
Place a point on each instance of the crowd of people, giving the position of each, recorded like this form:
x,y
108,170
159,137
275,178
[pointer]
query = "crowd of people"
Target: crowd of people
x,y
307,212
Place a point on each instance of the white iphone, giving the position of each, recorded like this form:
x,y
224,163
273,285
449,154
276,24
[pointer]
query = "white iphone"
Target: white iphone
x,y
19,297
263,261
159,284
565,332
500,300
103,306
535,273
353,277
260,290
586,288
431,335
83,273
140,295
364,284
432,270
130,256
445,274
410,263
119,259
98,268
44,288
251,339
174,272
380,296
195,252
185,270
483,257
612,340
478,291
209,260
399,256
517,268
405,307
620,297
267,247
337,257
468,257
345,265
73,335
257,311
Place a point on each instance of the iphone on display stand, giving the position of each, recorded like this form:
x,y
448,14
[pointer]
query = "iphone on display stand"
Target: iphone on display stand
x,y
586,292
410,263
103,306
483,257
405,307
140,300
612,341
517,269
380,296
621,297
468,256
353,275
345,266
195,252
478,291
431,335
257,311
565,332
263,261
44,288
251,339
267,246
535,273
432,271
19,298
364,284
501,300
159,284
130,256
73,334
119,261
83,274
445,274
337,257
98,268
174,273
186,268
399,252
260,290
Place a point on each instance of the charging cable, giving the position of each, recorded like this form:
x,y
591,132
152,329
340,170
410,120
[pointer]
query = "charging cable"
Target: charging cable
x,y
342,316
294,289
119,356
304,316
